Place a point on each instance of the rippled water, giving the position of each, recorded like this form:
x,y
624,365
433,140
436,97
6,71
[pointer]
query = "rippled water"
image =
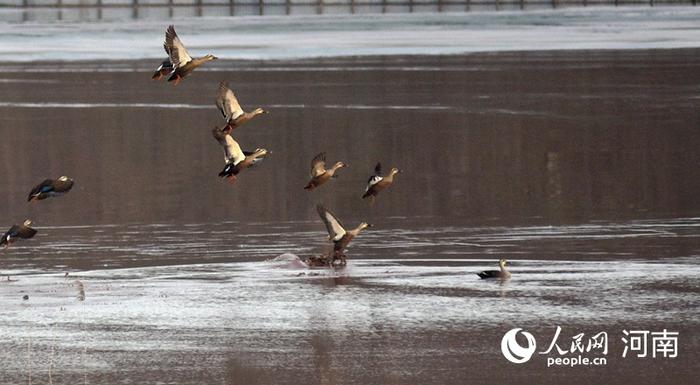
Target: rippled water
x,y
95,321
68,248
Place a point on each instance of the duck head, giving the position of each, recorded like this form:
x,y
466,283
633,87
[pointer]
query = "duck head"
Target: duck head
x,y
27,223
259,111
395,171
210,57
365,225
502,263
338,165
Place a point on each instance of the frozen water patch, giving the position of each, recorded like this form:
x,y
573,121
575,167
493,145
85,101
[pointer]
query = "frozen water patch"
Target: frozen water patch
x,y
294,37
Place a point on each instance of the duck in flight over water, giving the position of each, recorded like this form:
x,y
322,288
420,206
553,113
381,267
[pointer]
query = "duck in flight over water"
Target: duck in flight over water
x,y
50,188
228,105
235,158
182,63
377,182
23,231
319,173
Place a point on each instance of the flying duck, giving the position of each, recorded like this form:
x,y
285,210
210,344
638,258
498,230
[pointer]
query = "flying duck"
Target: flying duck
x,y
502,274
319,173
338,234
228,104
377,182
23,231
165,68
236,159
183,64
51,188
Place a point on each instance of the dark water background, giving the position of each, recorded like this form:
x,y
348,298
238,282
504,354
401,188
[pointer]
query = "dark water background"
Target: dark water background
x,y
564,138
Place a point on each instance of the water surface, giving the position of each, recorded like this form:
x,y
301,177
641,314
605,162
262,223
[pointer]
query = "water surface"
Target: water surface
x,y
580,168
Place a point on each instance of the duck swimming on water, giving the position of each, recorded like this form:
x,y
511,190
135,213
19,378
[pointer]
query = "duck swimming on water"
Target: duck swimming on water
x,y
182,63
228,105
337,233
319,173
236,159
23,231
502,273
51,188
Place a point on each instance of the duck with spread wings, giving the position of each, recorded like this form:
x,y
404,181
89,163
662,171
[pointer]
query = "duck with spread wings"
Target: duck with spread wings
x,y
230,108
319,173
179,63
236,159
377,182
338,235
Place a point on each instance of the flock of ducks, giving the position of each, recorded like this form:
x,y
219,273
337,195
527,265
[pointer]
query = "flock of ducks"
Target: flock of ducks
x,y
178,65
46,189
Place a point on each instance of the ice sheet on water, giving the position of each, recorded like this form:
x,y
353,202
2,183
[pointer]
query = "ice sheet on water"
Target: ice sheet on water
x,y
290,37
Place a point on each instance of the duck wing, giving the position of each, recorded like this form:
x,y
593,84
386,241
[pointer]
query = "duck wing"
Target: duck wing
x,y
333,225
227,102
318,165
376,178
219,135
166,65
233,150
175,49
43,187
373,180
378,169
489,274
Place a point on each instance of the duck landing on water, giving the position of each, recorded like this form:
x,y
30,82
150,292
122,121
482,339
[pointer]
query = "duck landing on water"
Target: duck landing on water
x,y
502,274
319,261
338,235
